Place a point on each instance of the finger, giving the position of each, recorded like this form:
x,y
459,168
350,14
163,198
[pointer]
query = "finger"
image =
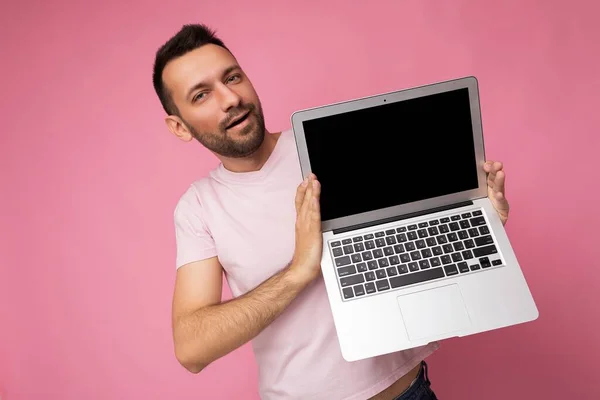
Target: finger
x,y
502,204
300,192
315,212
499,182
307,196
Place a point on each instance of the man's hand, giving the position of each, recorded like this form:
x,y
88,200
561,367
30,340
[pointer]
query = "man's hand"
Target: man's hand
x,y
496,193
309,237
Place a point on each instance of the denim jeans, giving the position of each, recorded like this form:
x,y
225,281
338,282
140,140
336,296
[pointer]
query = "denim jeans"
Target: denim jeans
x,y
420,389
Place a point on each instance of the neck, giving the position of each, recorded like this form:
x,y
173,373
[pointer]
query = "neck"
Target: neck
x,y
256,160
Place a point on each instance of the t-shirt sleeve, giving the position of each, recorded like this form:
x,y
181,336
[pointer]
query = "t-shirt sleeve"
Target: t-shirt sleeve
x,y
193,239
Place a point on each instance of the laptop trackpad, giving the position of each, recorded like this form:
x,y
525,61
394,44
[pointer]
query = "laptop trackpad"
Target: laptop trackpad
x,y
434,312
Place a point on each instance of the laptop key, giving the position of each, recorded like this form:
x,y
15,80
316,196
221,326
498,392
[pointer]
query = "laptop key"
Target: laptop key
x,y
422,233
338,252
473,232
367,255
497,262
392,271
379,234
378,253
344,271
478,212
415,255
390,240
370,287
369,236
370,276
383,262
434,222
437,251
336,244
474,267
433,231
466,215
464,224
356,258
348,293
359,290
382,284
448,248
454,226
401,229
484,230
431,242
352,280
446,259
483,240
435,262
456,257
372,265
404,257
361,267
357,239
399,248
485,262
413,266
394,260
442,239
347,241
445,220
467,254
341,261
426,253
417,277
458,246
421,244
412,235
444,229
359,247
412,227
455,217
469,243
484,251
423,224
477,221
390,232
463,235
348,249
401,238
388,251
370,245
410,246
450,269
402,269
424,264
452,237
380,242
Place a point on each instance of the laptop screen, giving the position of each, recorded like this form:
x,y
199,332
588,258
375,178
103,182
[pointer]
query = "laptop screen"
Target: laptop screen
x,y
393,154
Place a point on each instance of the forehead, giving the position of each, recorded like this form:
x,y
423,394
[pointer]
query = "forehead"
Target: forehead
x,y
203,64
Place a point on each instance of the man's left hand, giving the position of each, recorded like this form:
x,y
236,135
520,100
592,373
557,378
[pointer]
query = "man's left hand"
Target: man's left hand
x,y
495,182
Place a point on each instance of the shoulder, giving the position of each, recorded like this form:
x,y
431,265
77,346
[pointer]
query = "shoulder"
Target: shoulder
x,y
190,202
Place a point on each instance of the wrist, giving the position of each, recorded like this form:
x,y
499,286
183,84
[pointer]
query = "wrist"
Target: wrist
x,y
299,276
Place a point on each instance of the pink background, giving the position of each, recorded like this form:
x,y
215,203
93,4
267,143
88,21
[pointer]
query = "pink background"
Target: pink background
x,y
90,177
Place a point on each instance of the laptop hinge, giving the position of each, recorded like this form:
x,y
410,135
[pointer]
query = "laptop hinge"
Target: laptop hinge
x,y
401,217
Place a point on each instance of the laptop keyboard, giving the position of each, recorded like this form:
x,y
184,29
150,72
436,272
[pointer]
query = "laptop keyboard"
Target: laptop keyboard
x,y
409,254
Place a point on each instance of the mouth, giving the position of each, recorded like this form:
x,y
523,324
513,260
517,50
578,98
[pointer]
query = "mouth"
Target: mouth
x,y
238,120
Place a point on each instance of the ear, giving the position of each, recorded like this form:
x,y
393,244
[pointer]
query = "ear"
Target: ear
x,y
178,128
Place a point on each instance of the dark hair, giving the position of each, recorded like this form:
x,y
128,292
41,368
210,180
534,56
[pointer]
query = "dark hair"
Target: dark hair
x,y
189,37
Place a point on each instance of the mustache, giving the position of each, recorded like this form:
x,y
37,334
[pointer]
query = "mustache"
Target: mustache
x,y
234,114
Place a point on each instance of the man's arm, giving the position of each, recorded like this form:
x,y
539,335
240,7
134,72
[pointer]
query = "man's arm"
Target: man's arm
x,y
205,329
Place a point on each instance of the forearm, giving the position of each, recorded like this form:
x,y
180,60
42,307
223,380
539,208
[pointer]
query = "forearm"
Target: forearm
x,y
213,331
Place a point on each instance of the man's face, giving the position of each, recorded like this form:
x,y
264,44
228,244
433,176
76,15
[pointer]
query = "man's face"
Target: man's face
x,y
216,101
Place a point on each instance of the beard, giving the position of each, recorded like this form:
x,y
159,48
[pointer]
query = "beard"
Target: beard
x,y
222,143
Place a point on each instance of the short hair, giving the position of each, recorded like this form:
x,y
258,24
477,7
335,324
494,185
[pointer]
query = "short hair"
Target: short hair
x,y
189,37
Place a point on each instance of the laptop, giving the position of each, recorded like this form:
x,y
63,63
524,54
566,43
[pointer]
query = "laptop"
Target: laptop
x,y
414,251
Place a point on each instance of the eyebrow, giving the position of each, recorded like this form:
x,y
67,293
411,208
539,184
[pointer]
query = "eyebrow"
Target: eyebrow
x,y
202,84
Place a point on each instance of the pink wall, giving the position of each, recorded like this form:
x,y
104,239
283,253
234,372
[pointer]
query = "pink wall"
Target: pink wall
x,y
90,177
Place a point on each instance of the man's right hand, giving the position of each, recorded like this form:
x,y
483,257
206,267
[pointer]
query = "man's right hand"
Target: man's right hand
x,y
309,238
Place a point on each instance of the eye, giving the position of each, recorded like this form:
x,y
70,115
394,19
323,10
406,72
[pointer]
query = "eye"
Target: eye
x,y
198,96
234,78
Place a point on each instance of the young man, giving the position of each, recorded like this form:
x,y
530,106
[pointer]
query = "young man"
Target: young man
x,y
254,219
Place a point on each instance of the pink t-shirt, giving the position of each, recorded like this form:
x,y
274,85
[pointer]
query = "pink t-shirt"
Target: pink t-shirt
x,y
247,220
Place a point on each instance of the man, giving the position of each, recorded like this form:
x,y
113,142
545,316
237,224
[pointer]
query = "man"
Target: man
x,y
254,219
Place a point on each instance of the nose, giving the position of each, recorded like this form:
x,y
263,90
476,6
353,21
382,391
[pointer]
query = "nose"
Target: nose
x,y
227,98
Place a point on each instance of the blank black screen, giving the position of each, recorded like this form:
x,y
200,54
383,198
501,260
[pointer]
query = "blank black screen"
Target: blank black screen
x,y
393,154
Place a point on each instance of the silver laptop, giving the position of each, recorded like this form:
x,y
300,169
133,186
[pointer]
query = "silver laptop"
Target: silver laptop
x,y
414,251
